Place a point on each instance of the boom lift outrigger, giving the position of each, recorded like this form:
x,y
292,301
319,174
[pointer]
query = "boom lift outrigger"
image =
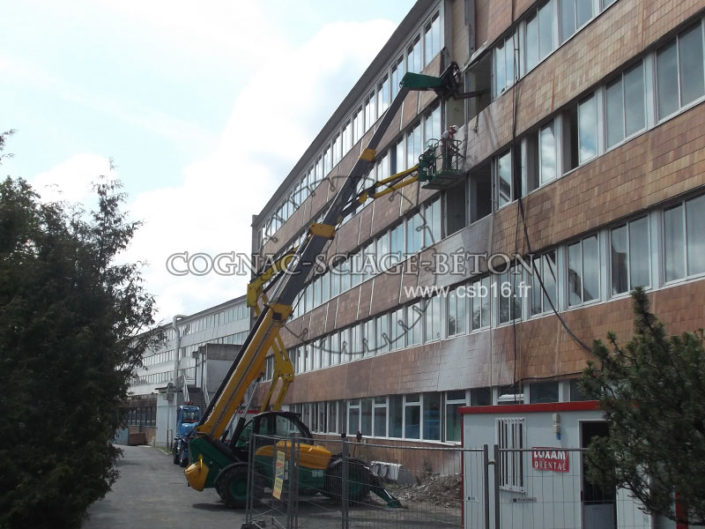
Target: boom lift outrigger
x,y
224,466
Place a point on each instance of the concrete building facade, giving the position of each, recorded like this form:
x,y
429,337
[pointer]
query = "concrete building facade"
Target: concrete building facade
x,y
189,365
584,152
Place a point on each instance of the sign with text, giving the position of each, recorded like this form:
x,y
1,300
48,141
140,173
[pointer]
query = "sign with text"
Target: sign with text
x,y
279,475
551,459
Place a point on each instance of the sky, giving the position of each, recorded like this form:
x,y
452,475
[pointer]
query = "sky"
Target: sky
x,y
202,107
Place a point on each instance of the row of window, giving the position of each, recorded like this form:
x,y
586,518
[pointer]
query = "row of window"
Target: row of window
x,y
158,358
418,231
426,416
423,47
653,89
534,38
142,416
153,378
664,246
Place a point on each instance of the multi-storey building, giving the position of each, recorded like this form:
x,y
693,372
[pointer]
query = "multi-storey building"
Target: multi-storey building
x,y
584,150
182,361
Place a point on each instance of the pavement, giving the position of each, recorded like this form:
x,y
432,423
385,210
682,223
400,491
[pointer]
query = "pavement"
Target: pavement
x,y
151,493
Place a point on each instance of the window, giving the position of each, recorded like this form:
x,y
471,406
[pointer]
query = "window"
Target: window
x,y
370,111
503,179
432,125
547,41
587,129
456,313
413,56
414,233
510,438
583,271
413,146
396,417
382,324
480,192
383,95
629,258
366,417
396,245
453,422
625,106
397,329
504,65
547,154
432,223
415,324
507,288
397,73
541,300
573,14
432,39
680,72
353,417
358,125
541,392
433,318
684,239
432,416
480,303
412,416
380,417
370,337
481,397
347,137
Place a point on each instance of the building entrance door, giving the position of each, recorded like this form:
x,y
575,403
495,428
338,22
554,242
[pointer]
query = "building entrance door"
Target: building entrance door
x,y
598,505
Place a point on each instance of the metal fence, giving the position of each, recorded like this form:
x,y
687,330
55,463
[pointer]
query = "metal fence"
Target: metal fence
x,y
354,485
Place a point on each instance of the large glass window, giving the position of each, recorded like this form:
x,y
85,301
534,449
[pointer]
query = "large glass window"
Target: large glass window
x,y
629,258
453,422
358,123
397,74
380,417
382,324
547,154
414,233
415,323
432,39
412,416
432,416
396,416
542,298
480,303
508,292
587,129
370,111
503,172
413,56
680,71
366,416
684,239
532,43
347,137
383,95
625,107
583,271
397,329
353,417
433,319
413,146
547,41
504,65
457,312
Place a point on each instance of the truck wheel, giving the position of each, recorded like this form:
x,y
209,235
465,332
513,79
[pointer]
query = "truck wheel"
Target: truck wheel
x,y
358,481
232,487
183,459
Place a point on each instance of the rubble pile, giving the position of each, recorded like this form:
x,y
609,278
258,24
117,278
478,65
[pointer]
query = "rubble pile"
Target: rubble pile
x,y
443,491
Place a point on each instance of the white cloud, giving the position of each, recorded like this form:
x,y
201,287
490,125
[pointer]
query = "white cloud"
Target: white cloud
x,y
72,180
274,118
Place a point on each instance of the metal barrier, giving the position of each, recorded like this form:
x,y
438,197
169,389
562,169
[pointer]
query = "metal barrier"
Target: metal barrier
x,y
357,484
352,485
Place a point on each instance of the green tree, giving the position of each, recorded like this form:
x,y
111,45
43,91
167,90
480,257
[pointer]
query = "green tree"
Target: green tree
x,y
652,390
72,329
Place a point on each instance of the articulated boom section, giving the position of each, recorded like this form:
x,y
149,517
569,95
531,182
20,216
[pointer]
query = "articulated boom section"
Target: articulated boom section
x,y
224,466
247,368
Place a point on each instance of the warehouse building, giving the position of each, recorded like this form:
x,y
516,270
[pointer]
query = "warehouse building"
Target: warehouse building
x,y
582,149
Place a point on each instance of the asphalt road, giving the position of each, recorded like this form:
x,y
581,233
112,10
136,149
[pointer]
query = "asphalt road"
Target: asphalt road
x,y
151,493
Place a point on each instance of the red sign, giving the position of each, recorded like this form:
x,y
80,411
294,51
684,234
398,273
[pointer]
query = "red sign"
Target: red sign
x,y
552,459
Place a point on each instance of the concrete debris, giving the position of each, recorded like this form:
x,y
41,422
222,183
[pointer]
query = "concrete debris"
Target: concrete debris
x,y
443,491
